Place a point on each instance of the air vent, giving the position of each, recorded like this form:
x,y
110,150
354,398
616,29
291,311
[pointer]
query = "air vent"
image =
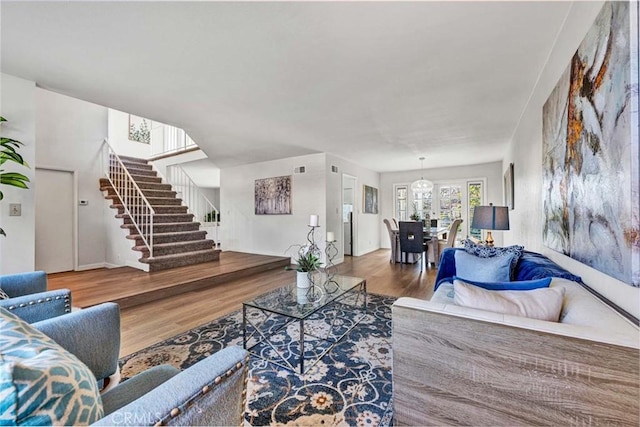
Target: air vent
x,y
334,169
300,169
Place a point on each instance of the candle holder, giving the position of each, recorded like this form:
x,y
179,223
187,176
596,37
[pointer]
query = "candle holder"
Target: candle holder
x,y
331,251
314,249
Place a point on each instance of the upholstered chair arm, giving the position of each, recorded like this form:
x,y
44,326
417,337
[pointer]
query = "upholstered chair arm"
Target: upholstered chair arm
x,y
16,285
92,335
39,306
211,392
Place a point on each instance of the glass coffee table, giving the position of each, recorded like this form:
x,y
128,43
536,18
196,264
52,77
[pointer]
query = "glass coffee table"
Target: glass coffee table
x,y
294,328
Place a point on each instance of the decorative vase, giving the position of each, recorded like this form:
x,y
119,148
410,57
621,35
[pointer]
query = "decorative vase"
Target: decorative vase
x,y
303,281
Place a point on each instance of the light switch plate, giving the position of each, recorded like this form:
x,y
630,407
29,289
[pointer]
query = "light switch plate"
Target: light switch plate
x,y
15,209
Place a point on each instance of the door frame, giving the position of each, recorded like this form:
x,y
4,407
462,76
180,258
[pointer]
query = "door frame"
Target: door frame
x,y
74,227
354,216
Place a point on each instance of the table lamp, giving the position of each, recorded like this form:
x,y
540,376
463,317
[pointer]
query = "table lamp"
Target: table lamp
x,y
490,218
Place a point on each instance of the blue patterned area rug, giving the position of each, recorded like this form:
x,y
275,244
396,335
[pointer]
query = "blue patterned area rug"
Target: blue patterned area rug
x,y
349,386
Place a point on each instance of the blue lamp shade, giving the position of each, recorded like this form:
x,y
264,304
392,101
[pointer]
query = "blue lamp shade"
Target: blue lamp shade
x,y
491,217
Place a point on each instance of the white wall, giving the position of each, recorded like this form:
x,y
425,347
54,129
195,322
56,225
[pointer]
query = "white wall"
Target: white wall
x,y
366,225
17,105
318,191
492,172
69,136
161,164
243,231
525,152
119,137
213,194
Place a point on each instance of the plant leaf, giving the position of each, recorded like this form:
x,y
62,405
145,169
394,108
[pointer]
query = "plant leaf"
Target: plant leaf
x,y
7,141
11,155
2,119
14,179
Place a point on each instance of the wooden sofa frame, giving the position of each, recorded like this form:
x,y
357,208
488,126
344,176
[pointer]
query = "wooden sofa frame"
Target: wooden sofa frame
x,y
452,369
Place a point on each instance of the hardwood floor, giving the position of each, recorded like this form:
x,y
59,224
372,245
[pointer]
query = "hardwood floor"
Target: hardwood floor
x,y
148,323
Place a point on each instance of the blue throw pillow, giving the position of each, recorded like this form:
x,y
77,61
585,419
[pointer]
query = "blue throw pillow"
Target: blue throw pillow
x,y
40,382
484,251
495,269
523,285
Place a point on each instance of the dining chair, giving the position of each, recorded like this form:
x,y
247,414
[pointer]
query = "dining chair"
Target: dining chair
x,y
393,239
412,240
451,237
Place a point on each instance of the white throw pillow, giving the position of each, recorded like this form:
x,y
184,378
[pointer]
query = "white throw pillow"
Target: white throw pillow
x,y
542,304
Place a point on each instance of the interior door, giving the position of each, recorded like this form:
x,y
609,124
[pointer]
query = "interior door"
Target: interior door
x,y
54,220
348,206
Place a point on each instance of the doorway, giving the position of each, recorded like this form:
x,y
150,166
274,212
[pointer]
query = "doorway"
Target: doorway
x,y
54,220
348,208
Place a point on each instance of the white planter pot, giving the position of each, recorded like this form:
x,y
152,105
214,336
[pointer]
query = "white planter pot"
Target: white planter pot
x,y
303,281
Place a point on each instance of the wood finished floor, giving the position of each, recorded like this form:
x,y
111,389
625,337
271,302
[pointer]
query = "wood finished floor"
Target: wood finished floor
x,y
149,323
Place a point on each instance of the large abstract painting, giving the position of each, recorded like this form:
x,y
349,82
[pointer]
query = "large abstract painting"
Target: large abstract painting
x,y
273,195
590,150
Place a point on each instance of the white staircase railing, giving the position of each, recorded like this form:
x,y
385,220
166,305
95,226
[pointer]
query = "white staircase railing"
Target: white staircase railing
x,y
134,202
202,209
174,139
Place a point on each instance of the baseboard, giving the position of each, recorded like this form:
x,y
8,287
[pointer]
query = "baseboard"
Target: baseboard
x,y
109,265
91,266
138,265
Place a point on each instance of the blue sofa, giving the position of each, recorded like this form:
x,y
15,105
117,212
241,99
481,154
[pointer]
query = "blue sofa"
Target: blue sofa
x,y
531,266
29,298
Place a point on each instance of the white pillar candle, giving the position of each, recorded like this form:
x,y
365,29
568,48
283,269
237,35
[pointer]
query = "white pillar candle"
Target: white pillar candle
x,y
330,236
313,220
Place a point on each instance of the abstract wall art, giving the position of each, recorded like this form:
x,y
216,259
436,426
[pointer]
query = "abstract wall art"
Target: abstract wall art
x,y
273,195
370,199
590,150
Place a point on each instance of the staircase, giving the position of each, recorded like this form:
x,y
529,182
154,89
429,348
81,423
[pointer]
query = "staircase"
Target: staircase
x,y
177,239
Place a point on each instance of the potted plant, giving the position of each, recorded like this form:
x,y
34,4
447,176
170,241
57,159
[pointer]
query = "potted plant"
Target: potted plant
x,y
9,152
307,261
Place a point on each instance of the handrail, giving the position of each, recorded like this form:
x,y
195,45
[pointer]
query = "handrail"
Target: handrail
x,y
134,202
173,140
197,203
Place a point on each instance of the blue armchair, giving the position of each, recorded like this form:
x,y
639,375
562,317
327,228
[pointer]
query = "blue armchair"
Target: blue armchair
x,y
29,298
210,392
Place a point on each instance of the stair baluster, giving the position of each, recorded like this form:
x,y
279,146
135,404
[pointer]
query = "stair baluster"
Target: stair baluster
x,y
135,204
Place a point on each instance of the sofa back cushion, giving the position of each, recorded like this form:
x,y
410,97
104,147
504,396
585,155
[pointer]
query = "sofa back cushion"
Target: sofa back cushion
x,y
40,382
541,304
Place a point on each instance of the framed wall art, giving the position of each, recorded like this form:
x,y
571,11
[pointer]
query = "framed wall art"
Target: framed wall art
x,y
370,203
273,195
508,187
139,129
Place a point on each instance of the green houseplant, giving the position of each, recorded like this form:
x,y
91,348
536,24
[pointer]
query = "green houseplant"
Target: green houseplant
x,y
9,153
307,261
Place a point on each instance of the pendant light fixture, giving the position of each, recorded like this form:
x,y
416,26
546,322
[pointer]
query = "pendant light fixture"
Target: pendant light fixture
x,y
421,185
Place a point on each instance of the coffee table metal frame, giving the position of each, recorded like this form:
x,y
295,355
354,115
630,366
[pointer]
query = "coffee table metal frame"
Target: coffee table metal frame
x,y
332,292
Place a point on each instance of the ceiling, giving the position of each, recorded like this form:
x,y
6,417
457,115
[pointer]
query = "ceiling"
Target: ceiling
x,y
377,83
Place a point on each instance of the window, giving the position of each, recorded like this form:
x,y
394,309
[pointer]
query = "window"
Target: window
x,y
475,199
402,202
422,204
447,202
450,204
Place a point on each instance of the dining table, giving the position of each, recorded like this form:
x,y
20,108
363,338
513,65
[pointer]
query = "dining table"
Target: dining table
x,y
429,233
